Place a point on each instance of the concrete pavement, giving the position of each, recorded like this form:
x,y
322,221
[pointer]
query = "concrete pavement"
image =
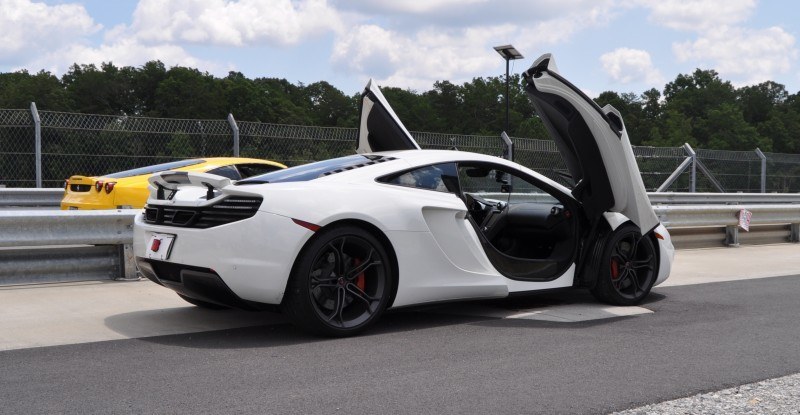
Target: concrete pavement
x,y
58,314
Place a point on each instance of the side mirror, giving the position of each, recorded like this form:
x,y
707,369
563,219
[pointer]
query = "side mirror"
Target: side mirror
x,y
506,188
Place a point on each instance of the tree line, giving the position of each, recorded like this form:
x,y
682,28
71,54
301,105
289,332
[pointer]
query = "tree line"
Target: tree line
x,y
699,108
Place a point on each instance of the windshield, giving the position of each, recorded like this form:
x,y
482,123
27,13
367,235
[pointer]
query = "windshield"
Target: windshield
x,y
312,171
154,169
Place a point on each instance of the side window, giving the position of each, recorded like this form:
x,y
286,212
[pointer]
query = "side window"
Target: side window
x,y
438,177
249,170
488,182
226,171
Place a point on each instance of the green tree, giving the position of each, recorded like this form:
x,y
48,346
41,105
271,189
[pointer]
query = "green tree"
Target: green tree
x,y
145,82
19,89
328,106
108,90
189,93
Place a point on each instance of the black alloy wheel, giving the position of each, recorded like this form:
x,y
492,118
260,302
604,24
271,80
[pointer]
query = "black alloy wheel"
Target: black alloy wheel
x,y
628,267
341,283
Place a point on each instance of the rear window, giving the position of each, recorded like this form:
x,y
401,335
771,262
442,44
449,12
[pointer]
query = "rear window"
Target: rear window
x,y
250,170
312,171
154,169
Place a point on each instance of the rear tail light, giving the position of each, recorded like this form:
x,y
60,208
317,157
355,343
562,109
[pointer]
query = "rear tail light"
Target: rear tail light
x,y
110,186
98,185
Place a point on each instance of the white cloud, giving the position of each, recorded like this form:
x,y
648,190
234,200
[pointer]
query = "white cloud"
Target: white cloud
x,y
416,57
122,52
232,23
411,7
698,15
28,29
416,61
626,66
746,56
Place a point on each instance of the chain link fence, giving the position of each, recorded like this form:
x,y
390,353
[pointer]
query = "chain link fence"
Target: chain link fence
x,y
657,164
735,171
98,144
17,149
94,145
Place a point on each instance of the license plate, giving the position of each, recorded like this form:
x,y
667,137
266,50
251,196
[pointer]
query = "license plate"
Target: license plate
x,y
160,246
72,208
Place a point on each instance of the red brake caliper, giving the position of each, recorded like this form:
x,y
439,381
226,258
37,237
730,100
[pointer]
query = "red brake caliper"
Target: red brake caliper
x,y
614,269
360,283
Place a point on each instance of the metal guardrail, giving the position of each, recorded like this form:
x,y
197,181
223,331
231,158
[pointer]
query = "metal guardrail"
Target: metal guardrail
x,y
30,197
695,226
58,246
62,246
673,198
52,197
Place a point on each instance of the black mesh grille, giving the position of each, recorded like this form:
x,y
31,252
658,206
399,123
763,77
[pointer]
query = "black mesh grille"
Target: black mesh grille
x,y
80,187
230,209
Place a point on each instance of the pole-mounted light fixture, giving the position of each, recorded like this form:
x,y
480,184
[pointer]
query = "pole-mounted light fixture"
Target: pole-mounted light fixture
x,y
508,53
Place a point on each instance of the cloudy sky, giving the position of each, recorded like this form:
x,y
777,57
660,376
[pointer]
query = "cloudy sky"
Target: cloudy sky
x,y
620,45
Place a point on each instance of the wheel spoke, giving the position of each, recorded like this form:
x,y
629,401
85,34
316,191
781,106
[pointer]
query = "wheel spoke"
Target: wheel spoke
x,y
339,306
643,263
340,266
634,246
360,268
618,253
323,285
324,274
635,280
621,280
361,295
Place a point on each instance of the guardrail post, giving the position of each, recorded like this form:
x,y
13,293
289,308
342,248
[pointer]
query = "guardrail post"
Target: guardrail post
x,y
763,170
127,264
37,131
732,235
794,232
690,152
235,129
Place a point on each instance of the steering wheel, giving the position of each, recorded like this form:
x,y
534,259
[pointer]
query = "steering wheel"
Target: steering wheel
x,y
485,213
478,207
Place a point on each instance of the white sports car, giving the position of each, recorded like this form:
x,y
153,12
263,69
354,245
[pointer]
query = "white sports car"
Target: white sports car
x,y
337,242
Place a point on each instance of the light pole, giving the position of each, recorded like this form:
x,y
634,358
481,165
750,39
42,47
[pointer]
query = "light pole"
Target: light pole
x,y
508,53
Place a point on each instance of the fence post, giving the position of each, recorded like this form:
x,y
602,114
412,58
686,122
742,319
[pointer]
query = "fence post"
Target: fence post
x,y
690,152
763,170
235,129
37,131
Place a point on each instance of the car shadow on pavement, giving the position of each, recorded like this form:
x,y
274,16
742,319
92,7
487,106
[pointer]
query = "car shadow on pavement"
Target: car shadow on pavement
x,y
272,331
232,329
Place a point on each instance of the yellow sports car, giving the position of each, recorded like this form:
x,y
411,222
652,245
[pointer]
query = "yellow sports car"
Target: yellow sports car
x,y
128,189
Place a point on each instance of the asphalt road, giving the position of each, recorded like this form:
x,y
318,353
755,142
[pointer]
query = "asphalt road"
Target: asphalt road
x,y
699,338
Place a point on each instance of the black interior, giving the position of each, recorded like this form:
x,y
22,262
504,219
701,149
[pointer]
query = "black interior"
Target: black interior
x,y
525,240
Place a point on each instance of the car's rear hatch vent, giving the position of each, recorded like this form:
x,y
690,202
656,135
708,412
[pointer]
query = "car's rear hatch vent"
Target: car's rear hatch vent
x,y
230,209
355,166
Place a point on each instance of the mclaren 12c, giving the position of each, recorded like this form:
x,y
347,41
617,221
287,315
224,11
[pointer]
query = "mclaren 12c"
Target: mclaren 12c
x,y
336,243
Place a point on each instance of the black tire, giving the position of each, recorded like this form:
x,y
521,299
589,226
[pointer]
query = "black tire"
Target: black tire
x,y
203,304
341,282
628,267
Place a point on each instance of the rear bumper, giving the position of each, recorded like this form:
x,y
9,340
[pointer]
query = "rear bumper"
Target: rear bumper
x,y
252,257
667,255
195,282
76,203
